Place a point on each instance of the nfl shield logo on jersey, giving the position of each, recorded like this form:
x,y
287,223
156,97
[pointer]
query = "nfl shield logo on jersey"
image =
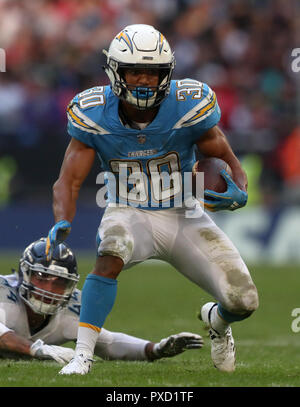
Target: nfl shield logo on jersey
x,y
141,138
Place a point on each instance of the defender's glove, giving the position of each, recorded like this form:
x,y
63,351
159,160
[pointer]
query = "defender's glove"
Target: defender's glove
x,y
232,199
57,235
176,344
58,353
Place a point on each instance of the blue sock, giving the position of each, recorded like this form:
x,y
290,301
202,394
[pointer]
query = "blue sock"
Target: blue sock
x,y
97,299
229,316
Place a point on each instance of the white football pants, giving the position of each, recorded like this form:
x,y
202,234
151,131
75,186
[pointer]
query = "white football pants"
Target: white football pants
x,y
195,246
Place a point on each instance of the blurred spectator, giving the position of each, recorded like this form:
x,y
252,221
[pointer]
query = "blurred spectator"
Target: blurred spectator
x,y
289,156
240,48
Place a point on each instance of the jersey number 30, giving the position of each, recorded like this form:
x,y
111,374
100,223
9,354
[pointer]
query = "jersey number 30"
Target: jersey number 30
x,y
163,175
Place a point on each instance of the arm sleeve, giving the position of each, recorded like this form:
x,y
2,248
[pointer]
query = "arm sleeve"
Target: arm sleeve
x,y
84,113
3,328
77,127
3,306
202,115
207,113
119,346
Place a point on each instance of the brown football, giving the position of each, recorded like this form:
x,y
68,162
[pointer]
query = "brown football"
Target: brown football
x,y
212,178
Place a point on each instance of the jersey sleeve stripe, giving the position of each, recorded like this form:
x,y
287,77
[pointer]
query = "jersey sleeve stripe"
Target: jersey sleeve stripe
x,y
75,118
206,109
81,121
200,112
78,126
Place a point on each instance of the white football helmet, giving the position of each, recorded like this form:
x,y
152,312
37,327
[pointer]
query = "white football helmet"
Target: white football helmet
x,y
140,46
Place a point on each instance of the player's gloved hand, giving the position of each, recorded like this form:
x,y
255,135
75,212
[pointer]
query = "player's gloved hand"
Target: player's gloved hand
x,y
57,235
58,353
232,199
176,344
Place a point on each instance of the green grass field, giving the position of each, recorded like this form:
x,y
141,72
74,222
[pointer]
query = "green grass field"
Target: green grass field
x,y
155,301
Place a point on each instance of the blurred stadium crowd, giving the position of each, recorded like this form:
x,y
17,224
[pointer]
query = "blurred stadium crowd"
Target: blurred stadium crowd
x,y
242,49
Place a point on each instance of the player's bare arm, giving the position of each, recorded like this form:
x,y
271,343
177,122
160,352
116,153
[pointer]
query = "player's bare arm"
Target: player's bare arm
x,y
12,342
215,144
77,164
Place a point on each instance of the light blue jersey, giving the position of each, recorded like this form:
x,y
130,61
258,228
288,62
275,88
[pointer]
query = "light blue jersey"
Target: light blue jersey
x,y
160,153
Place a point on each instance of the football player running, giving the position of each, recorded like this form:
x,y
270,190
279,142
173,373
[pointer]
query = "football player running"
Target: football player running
x,y
144,122
39,311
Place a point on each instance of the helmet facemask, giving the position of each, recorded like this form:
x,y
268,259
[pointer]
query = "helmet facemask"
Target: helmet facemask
x,y
145,97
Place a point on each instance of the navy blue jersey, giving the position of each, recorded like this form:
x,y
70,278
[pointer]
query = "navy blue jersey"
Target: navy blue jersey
x,y
160,153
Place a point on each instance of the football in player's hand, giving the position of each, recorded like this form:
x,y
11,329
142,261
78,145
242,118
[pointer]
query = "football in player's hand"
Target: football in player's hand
x,y
211,167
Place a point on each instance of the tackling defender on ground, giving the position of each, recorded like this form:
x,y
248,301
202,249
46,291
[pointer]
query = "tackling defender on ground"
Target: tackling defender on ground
x,y
148,124
39,311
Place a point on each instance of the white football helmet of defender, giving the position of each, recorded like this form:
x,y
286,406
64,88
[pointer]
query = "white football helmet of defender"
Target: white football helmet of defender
x,y
140,46
34,266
